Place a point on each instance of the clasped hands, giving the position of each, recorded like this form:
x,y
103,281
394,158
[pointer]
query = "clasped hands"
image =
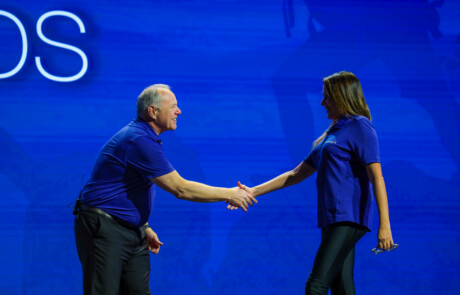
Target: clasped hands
x,y
243,198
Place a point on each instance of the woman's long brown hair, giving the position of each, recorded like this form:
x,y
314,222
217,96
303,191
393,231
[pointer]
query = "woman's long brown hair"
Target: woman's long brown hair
x,y
345,90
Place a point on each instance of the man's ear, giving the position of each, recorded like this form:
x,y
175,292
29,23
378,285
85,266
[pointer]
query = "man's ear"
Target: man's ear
x,y
153,111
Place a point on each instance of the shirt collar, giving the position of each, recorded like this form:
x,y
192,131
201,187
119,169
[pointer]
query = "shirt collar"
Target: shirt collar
x,y
340,122
148,129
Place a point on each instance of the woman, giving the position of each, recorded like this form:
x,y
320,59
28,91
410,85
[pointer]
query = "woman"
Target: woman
x,y
346,157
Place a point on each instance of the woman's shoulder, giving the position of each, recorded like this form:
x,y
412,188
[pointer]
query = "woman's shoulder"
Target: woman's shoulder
x,y
361,125
362,121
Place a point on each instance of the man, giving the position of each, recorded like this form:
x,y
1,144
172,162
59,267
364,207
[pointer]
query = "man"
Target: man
x,y
111,230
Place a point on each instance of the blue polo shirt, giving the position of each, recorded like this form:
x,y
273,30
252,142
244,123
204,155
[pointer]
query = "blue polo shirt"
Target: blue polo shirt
x,y
344,190
120,183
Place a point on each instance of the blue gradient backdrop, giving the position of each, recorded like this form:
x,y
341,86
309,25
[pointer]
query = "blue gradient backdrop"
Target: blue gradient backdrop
x,y
247,75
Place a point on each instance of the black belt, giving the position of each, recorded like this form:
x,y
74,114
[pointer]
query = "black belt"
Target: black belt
x,y
84,208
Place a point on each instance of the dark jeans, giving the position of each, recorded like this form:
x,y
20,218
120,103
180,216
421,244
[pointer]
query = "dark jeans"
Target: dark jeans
x,y
115,259
335,259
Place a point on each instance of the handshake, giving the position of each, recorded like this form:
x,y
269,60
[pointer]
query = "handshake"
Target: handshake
x,y
242,197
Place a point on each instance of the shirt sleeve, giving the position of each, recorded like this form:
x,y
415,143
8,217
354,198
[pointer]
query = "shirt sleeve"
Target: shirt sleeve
x,y
309,160
147,157
365,143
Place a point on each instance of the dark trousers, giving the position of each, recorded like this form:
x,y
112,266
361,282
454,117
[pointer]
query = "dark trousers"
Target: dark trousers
x,y
114,258
335,259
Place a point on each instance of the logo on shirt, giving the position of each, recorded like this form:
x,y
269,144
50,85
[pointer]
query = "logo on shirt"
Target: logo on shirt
x,y
331,142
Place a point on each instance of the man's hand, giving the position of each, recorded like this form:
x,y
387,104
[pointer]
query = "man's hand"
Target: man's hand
x,y
248,189
152,239
248,196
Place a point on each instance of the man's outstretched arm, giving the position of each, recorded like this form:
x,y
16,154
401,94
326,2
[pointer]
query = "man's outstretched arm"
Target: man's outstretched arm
x,y
198,192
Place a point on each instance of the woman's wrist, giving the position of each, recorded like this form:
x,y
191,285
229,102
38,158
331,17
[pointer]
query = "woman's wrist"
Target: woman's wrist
x,y
384,225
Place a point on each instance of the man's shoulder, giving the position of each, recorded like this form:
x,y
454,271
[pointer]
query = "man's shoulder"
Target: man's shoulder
x,y
134,136
126,135
132,131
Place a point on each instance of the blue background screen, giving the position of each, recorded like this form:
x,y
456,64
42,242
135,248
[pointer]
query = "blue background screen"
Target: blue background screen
x,y
248,79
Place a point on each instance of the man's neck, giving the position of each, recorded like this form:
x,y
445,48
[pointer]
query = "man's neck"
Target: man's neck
x,y
155,127
152,124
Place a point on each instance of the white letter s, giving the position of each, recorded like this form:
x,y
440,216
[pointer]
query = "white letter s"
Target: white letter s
x,y
61,45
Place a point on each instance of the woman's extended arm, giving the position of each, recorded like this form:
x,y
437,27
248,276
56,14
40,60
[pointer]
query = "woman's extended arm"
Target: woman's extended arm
x,y
385,239
298,174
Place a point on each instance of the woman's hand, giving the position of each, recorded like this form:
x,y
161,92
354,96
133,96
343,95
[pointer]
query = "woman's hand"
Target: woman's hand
x,y
385,238
249,190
